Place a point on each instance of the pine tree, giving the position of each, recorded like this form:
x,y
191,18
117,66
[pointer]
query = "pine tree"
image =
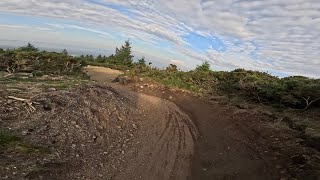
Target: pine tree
x,y
99,59
29,47
123,55
205,67
65,52
142,62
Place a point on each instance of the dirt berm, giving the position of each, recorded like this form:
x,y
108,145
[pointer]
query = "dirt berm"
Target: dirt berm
x,y
96,132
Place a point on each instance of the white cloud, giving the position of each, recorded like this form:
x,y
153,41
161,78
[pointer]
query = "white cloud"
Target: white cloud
x,y
273,35
177,62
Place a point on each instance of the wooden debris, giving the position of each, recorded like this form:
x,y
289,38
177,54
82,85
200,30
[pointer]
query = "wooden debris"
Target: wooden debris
x,y
27,101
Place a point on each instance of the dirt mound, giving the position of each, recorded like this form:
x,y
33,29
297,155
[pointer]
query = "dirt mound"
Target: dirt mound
x,y
96,132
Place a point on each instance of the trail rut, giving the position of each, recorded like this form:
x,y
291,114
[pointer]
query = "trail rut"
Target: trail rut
x,y
164,144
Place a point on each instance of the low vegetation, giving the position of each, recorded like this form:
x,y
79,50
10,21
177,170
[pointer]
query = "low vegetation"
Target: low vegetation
x,y
30,59
295,92
12,142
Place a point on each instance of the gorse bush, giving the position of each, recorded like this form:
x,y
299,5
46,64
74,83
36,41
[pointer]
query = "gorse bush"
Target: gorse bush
x,y
30,59
294,92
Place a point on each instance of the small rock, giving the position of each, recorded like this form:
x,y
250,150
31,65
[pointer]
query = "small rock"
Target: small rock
x,y
243,106
73,122
122,152
134,126
73,146
240,111
300,159
51,89
46,106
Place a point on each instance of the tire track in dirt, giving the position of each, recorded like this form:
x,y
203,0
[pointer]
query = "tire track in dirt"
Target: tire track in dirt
x,y
164,146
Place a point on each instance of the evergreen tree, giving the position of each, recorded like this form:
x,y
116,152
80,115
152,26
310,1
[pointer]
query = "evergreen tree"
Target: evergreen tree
x,y
142,62
205,67
100,59
29,47
172,68
123,55
65,52
91,58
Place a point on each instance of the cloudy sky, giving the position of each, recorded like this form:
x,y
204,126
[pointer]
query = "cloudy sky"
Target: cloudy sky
x,y
278,36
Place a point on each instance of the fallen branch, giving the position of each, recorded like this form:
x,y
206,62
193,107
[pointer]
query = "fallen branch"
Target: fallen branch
x,y
27,101
8,75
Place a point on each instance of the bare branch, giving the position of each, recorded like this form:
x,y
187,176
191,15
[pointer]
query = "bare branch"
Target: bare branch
x,y
308,103
27,101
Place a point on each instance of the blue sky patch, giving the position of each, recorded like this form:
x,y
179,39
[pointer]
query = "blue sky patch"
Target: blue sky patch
x,y
202,43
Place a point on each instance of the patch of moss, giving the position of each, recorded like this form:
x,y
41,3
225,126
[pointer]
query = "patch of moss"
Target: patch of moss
x,y
10,141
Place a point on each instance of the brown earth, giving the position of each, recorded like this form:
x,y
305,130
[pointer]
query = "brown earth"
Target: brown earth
x,y
93,131
235,143
105,130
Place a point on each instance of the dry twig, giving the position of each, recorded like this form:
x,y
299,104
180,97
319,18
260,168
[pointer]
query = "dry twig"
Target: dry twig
x,y
27,101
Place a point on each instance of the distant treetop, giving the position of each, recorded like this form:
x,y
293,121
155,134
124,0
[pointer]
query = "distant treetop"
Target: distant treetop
x,y
29,48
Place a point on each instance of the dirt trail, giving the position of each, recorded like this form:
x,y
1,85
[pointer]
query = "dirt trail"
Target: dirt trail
x,y
231,144
164,144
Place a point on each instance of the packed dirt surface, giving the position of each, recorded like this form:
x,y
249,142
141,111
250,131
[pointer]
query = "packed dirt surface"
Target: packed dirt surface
x,y
234,143
105,130
94,132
